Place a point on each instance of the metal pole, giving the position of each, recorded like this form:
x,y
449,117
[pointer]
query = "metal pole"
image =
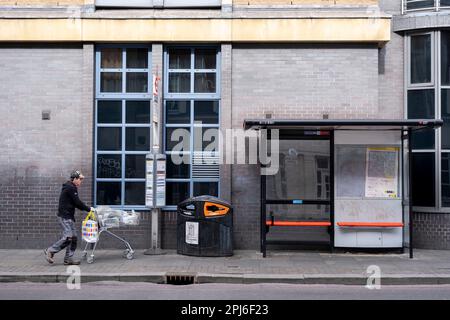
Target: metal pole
x,y
402,173
332,190
264,140
263,215
155,241
410,184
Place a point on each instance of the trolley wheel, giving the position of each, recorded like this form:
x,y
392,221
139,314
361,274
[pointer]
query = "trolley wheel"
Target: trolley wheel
x,y
90,259
125,253
84,255
130,255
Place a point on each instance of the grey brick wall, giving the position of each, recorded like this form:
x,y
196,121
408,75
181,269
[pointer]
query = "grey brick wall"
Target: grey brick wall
x,y
432,231
305,81
295,81
169,230
391,70
37,156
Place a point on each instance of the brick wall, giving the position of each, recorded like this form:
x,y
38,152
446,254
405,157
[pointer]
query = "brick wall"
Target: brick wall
x,y
28,212
169,230
305,81
294,81
28,216
431,231
37,155
391,70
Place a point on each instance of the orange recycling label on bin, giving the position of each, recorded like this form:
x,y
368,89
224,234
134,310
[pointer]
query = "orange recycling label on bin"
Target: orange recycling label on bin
x,y
211,209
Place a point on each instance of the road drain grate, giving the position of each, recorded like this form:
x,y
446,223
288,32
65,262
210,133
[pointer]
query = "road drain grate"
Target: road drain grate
x,y
180,279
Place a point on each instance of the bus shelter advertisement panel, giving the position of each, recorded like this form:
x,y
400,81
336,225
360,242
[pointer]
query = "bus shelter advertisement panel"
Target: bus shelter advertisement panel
x,y
382,173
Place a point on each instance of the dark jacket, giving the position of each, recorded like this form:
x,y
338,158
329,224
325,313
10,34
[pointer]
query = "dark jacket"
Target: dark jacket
x,y
68,201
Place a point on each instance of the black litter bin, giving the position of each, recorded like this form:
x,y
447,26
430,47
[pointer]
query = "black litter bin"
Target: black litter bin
x,y
205,227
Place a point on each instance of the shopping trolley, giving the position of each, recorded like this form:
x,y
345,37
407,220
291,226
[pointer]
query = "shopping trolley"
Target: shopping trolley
x,y
111,218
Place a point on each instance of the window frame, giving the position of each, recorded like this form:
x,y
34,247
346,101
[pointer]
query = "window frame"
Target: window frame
x,y
436,85
444,208
123,97
192,71
433,60
124,71
191,97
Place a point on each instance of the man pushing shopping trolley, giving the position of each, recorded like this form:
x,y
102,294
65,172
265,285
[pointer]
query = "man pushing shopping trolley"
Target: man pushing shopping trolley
x,y
96,222
68,201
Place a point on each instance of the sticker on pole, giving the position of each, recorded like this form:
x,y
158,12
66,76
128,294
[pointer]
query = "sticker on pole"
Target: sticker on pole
x,y
191,232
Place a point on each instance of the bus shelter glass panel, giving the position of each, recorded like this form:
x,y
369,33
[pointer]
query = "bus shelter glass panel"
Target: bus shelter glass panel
x,y
304,171
299,192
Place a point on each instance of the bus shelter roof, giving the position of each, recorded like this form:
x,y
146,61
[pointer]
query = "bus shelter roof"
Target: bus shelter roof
x,y
347,124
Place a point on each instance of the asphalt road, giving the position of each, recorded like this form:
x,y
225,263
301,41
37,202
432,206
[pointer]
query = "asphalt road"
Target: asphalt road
x,y
150,291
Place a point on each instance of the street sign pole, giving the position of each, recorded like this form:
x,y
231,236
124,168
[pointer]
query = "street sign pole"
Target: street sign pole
x,y
155,191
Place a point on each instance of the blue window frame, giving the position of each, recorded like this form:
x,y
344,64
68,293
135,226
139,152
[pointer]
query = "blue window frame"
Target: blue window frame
x,y
122,124
192,103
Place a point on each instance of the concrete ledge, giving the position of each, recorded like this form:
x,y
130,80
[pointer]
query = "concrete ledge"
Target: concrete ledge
x,y
343,279
91,277
219,278
376,30
420,21
202,278
271,278
29,277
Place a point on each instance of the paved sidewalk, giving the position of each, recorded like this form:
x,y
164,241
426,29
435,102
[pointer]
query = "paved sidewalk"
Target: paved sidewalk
x,y
309,267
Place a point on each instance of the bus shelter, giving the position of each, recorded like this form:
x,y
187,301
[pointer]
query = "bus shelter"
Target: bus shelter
x,y
347,179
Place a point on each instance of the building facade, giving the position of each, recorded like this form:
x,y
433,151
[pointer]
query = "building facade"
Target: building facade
x,y
98,84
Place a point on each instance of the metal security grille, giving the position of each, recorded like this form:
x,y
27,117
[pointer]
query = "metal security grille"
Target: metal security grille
x,y
180,279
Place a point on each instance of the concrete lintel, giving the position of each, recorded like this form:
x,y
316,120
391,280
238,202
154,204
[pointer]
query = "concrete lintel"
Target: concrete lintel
x,y
196,30
421,21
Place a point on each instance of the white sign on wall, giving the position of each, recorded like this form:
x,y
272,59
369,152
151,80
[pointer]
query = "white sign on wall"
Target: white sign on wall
x,y
382,172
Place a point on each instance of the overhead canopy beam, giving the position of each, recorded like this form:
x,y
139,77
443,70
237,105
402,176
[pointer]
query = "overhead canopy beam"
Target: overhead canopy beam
x,y
330,125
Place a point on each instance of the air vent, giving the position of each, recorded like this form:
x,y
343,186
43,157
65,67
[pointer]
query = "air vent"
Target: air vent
x,y
46,115
205,165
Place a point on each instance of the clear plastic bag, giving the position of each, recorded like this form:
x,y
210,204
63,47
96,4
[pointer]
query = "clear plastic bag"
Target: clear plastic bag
x,y
111,222
130,218
108,217
112,218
